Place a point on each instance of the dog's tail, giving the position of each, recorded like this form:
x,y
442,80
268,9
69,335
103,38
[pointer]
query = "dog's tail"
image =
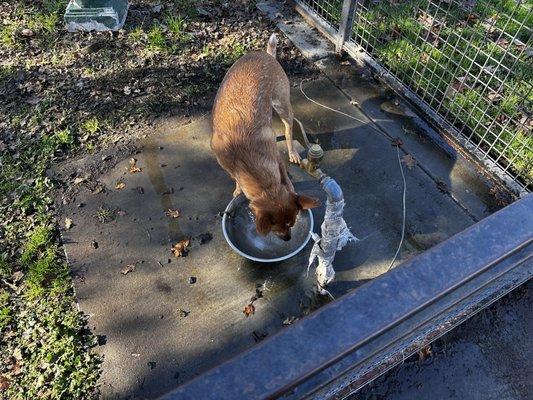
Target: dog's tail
x,y
271,46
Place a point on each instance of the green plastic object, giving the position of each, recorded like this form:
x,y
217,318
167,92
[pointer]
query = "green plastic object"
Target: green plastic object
x,y
96,15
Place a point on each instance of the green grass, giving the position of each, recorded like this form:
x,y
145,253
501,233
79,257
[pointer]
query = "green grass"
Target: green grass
x,y
395,34
50,335
156,38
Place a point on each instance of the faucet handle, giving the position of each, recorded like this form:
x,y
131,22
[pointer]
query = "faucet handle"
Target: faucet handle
x,y
315,155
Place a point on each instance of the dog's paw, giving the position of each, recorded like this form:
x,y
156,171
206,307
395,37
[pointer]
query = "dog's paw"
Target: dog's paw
x,y
294,157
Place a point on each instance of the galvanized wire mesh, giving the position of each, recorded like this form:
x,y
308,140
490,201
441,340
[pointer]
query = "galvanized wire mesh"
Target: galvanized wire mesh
x,y
328,10
470,61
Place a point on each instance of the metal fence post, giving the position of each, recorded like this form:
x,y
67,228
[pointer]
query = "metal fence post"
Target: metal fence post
x,y
346,23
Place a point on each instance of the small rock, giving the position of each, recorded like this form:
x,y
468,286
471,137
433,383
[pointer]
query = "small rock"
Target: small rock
x,y
151,364
94,243
182,313
27,33
192,280
68,223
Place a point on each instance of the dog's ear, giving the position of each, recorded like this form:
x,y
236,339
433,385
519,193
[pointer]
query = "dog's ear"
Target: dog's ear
x,y
306,202
263,223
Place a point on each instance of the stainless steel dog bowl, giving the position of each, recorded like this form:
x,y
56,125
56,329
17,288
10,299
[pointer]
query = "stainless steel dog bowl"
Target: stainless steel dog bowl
x,y
238,226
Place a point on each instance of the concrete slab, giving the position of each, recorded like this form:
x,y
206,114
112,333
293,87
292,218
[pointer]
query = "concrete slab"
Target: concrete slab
x,y
312,45
150,345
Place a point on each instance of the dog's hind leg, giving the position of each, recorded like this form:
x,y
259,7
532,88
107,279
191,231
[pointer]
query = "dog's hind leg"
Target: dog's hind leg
x,y
282,104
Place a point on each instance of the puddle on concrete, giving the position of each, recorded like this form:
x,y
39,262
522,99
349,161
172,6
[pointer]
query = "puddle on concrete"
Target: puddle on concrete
x,y
154,170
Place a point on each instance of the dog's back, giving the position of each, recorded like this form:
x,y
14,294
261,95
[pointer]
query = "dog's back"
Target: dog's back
x,y
244,99
243,140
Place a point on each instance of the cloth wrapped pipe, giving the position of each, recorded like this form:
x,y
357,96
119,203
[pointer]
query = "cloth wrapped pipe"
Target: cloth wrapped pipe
x,y
335,235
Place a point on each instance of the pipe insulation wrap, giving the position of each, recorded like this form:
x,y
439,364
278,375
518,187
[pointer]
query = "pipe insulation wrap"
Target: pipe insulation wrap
x,y
335,234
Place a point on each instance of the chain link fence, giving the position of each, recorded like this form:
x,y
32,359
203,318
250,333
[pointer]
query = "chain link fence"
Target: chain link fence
x,y
469,62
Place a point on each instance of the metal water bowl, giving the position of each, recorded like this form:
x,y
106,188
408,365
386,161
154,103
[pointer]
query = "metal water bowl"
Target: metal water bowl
x,y
238,226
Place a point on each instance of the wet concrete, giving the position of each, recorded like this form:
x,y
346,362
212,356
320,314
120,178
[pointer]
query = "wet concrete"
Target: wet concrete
x,y
486,358
162,327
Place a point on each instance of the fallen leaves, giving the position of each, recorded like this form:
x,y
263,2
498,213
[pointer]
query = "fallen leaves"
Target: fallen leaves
x,y
127,269
409,161
180,248
424,353
5,382
120,185
396,142
249,310
172,213
68,223
133,166
494,96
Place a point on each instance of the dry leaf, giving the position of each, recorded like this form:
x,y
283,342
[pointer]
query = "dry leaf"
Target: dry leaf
x,y
289,320
27,33
424,57
397,142
172,213
120,185
5,382
494,96
424,353
409,161
502,42
68,223
78,180
180,248
249,310
127,269
133,166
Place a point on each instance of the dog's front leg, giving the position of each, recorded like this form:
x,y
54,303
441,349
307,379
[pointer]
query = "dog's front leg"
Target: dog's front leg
x,y
237,190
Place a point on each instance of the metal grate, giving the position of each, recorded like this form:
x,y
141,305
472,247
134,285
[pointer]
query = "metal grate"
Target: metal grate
x,y
328,10
470,62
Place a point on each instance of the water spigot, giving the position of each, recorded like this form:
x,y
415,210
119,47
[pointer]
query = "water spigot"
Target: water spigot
x,y
314,156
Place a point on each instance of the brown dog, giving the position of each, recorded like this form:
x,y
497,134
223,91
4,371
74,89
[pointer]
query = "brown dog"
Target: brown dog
x,y
245,143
